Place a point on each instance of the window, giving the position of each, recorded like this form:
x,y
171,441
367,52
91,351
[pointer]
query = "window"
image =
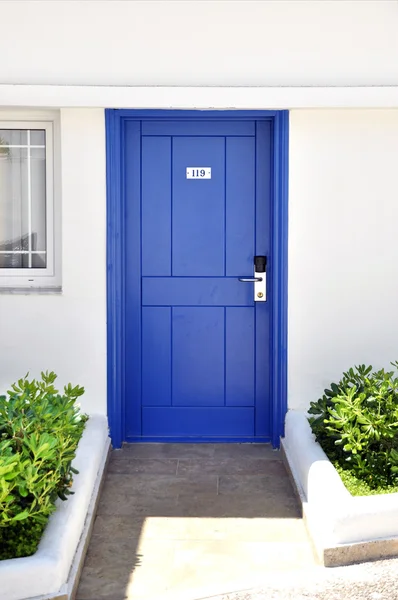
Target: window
x,y
26,205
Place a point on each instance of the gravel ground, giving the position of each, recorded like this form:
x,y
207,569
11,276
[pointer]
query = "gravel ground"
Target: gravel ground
x,y
367,581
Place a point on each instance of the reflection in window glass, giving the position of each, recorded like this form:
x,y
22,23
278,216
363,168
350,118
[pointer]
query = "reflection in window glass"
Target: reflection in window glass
x,y
22,199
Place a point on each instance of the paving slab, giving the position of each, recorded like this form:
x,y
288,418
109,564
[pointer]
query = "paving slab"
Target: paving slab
x,y
232,466
177,519
154,466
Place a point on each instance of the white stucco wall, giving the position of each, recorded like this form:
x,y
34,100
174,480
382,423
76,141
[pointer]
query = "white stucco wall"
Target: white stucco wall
x,y
343,253
66,332
267,43
343,245
343,189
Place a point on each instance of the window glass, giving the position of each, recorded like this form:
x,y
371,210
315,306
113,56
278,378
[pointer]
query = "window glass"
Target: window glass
x,y
23,243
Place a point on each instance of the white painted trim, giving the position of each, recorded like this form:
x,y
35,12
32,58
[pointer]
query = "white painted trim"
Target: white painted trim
x,y
198,97
47,571
334,518
51,275
23,114
26,146
30,200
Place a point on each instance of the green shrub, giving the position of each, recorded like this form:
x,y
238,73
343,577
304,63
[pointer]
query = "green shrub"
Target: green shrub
x,y
39,433
356,423
359,487
20,539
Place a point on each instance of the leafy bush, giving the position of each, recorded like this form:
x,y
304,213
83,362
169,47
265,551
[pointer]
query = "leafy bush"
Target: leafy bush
x,y
356,423
39,433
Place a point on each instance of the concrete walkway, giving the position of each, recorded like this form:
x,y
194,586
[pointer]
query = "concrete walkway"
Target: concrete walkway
x,y
187,521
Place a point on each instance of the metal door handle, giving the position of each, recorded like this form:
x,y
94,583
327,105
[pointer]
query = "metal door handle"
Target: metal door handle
x,y
250,279
259,279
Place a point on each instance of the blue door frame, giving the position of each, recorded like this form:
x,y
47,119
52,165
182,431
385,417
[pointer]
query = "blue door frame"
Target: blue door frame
x,y
115,120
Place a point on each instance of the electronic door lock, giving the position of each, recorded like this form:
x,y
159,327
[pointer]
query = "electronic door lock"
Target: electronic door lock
x,y
260,264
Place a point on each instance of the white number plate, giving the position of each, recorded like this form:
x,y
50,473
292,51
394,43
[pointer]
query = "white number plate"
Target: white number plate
x,y
198,172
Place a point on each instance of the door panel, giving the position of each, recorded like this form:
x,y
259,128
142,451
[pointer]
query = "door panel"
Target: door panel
x,y
198,375
156,356
156,210
199,368
198,423
192,291
198,208
198,127
262,375
239,356
240,205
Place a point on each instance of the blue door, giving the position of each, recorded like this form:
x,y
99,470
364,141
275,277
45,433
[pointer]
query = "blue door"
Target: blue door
x,y
197,345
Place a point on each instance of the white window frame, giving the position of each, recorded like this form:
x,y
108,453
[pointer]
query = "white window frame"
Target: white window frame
x,y
50,276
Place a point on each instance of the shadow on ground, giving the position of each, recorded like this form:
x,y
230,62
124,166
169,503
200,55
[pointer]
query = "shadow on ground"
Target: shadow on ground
x,y
175,519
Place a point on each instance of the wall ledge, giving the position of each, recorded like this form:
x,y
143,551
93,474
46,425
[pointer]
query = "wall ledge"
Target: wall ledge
x,y
344,529
202,98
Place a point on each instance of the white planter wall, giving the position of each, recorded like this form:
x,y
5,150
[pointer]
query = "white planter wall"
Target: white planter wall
x,y
344,528
47,573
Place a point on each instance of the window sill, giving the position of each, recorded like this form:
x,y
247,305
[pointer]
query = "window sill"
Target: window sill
x,y
29,291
